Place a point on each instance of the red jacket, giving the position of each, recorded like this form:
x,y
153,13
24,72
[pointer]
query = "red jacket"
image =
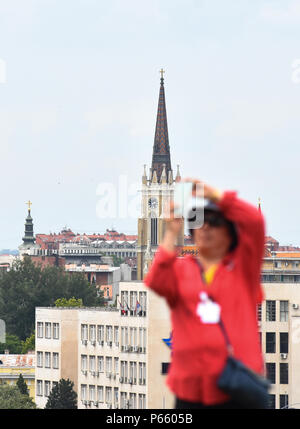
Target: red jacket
x,y
199,349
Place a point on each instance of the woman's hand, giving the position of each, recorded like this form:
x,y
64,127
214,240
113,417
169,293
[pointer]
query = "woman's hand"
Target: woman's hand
x,y
173,227
203,190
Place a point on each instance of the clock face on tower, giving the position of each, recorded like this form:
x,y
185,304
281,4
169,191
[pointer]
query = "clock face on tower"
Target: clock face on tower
x,y
153,203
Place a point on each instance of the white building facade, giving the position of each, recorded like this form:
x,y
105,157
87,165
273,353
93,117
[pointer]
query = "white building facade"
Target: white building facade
x,y
117,358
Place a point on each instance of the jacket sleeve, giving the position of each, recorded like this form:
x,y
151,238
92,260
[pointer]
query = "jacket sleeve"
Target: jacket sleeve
x,y
161,277
250,227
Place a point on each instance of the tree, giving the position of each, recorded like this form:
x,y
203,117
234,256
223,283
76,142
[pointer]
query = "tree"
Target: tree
x,y
22,386
27,286
72,302
12,398
117,261
62,396
28,344
12,343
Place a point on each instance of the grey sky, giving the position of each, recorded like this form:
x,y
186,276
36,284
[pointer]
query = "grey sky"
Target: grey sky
x,y
78,107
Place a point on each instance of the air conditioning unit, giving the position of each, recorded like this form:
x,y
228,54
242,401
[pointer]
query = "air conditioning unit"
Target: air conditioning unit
x,y
135,349
85,402
126,348
109,343
295,306
84,342
93,373
96,404
140,349
130,381
109,374
283,355
84,371
121,379
93,343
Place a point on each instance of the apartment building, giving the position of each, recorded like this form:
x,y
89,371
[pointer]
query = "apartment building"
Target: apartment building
x,y
279,324
116,357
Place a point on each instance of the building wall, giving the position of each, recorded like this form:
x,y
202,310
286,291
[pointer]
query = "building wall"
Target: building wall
x,y
283,292
146,352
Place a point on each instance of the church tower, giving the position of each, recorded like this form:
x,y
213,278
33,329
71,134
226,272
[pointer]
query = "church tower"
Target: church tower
x,y
28,244
157,191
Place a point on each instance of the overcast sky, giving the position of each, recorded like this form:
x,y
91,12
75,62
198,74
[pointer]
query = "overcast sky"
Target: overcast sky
x,y
79,85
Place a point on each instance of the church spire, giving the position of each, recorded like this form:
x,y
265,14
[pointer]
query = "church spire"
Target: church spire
x,y
161,149
29,236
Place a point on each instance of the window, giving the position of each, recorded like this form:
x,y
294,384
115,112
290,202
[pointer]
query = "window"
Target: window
x,y
142,401
108,364
284,373
258,312
283,401
124,400
284,311
47,330
109,333
92,363
84,332
83,362
39,387
47,360
92,332
47,388
92,392
270,342
116,395
55,360
56,331
100,363
108,395
270,311
132,400
124,369
272,402
165,367
40,327
100,333
83,392
39,359
133,372
284,342
116,365
142,373
100,393
271,372
154,231
116,335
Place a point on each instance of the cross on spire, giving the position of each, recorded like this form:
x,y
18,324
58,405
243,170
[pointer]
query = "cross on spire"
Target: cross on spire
x,y
162,73
29,203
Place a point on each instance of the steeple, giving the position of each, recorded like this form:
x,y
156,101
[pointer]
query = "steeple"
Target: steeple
x,y
28,236
161,148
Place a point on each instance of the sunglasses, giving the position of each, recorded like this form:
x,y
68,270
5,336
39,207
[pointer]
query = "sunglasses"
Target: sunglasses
x,y
215,220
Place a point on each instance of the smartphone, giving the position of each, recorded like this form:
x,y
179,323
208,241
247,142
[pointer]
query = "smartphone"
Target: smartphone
x,y
182,196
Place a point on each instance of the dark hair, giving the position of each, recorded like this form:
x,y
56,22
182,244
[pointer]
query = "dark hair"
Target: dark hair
x,y
231,228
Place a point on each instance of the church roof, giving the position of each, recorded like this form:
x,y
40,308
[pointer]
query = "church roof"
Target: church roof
x,y
161,148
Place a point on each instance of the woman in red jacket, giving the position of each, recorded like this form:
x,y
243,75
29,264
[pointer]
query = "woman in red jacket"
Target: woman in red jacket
x,y
223,280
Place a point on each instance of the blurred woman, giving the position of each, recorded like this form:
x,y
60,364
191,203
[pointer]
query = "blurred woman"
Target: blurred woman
x,y
223,280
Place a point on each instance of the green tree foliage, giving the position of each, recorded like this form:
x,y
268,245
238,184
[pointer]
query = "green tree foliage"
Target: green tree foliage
x,y
28,286
62,396
117,261
22,386
13,344
12,398
72,302
28,344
